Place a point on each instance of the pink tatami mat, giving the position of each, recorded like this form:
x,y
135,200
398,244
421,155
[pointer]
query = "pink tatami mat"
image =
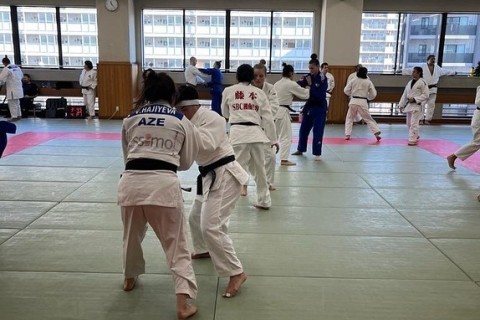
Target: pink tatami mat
x,y
441,148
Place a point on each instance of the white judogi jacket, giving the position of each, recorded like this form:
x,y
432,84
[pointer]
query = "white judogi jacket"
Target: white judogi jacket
x,y
158,132
214,145
271,94
419,92
88,78
331,83
359,87
194,76
243,102
286,90
431,79
12,76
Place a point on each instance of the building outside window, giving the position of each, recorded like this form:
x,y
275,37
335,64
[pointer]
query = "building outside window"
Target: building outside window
x,y
6,41
418,36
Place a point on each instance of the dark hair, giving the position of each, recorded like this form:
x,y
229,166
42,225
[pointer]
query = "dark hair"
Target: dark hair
x,y
323,65
430,56
146,72
186,93
27,75
245,73
260,66
314,59
89,64
419,70
362,73
157,86
263,61
6,60
287,70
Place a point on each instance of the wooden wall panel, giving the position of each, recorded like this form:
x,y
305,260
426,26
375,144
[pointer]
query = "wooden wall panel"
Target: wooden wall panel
x,y
339,101
117,86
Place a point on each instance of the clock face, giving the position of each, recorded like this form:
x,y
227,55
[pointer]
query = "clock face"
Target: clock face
x,y
111,5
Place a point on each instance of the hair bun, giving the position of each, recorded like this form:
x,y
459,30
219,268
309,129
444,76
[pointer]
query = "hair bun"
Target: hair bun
x,y
314,56
284,64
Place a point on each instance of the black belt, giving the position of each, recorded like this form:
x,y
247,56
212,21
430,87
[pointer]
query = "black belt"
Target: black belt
x,y
432,86
478,108
248,123
288,107
357,97
204,170
149,164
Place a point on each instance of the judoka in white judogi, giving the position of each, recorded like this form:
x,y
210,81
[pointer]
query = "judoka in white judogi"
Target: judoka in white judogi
x,y
252,126
415,94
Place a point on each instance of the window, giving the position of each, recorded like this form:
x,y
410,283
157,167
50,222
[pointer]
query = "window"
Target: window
x,y
161,29
79,36
34,24
292,39
462,35
205,38
200,33
6,43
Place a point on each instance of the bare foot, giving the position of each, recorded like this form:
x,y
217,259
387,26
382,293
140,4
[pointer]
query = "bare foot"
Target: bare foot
x,y
261,207
129,284
451,161
271,187
202,255
347,137
287,163
377,136
184,309
244,191
234,285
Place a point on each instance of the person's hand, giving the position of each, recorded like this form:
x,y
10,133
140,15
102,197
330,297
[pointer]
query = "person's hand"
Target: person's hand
x,y
401,109
308,78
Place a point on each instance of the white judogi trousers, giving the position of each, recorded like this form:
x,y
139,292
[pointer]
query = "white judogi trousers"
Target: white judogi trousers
x,y
430,106
169,226
209,224
253,154
14,107
353,109
470,148
270,161
413,120
89,101
283,125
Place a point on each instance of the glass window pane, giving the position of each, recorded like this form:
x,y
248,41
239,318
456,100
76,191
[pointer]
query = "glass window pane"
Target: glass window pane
x,y
378,41
33,23
420,39
205,37
292,39
163,39
6,44
461,51
79,36
249,37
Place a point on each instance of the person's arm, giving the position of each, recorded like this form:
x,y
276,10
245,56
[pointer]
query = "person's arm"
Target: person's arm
x,y
477,98
331,84
190,147
444,72
372,92
224,106
3,75
124,144
299,92
211,133
93,85
424,94
403,100
348,88
273,100
266,117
